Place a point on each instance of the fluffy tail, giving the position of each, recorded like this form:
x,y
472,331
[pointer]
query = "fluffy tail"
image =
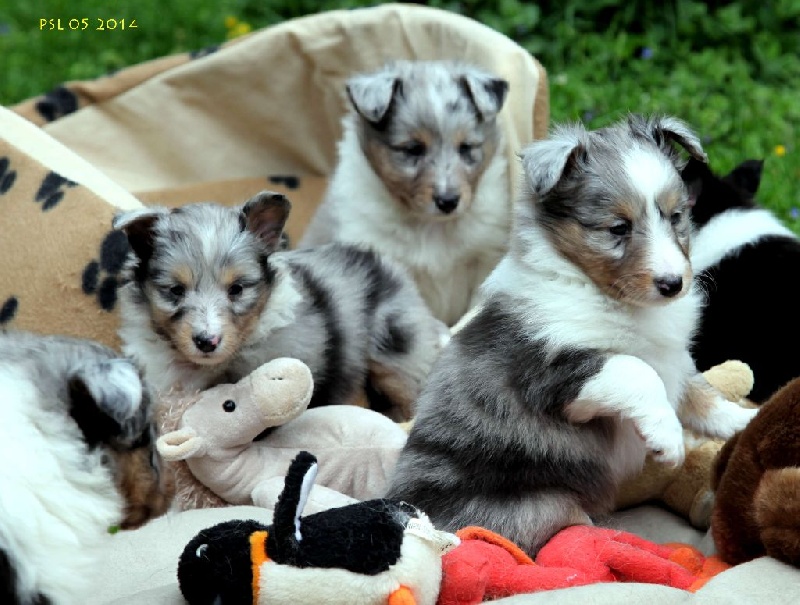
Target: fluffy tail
x,y
286,519
777,512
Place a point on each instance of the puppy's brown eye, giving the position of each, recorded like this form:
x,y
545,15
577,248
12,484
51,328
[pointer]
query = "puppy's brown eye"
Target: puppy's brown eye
x,y
620,229
676,217
177,290
235,290
229,405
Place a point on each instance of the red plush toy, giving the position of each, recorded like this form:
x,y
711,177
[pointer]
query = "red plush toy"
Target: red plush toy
x,y
487,566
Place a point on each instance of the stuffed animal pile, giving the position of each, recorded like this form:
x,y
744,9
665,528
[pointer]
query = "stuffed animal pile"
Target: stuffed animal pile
x,y
386,552
231,444
757,485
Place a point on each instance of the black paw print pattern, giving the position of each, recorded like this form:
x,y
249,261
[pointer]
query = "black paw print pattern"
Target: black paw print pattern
x,y
290,182
52,190
100,278
57,103
7,176
8,309
204,52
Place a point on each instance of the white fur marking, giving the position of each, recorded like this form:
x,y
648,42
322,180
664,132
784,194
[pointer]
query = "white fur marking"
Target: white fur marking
x,y
125,377
629,389
649,171
723,419
666,258
730,231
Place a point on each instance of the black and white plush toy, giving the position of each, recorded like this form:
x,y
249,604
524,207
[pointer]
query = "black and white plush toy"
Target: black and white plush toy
x,y
373,552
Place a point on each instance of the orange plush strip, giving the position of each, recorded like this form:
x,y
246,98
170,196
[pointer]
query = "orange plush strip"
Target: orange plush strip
x,y
702,567
258,556
474,532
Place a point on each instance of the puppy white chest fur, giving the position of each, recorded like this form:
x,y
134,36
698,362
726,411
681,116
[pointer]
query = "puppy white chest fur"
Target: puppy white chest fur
x,y
658,335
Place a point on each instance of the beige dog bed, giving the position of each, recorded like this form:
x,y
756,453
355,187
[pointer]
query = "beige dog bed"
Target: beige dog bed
x,y
259,112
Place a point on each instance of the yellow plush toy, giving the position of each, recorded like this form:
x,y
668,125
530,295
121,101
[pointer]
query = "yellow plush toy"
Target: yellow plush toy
x,y
686,490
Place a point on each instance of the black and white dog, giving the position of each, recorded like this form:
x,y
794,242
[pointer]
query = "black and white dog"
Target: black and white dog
x,y
745,258
72,414
577,362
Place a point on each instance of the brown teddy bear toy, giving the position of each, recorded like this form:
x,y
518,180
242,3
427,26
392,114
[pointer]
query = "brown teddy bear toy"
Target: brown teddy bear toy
x,y
686,490
756,480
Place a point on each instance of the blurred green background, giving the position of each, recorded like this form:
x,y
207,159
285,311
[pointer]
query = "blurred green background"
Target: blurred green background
x,y
730,68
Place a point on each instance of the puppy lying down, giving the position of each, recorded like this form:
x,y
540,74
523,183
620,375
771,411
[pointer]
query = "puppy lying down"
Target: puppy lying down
x,y
77,460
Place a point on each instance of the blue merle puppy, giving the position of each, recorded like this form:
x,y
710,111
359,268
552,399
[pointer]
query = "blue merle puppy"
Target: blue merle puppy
x,y
78,458
577,363
208,295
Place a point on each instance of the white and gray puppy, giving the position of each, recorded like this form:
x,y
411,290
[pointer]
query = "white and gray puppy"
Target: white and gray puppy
x,y
69,409
422,177
578,362
207,298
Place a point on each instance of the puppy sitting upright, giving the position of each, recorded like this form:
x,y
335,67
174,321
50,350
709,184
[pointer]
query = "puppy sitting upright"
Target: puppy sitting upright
x,y
577,361
422,177
207,298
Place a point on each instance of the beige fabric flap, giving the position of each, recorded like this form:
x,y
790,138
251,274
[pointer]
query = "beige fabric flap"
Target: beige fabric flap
x,y
272,103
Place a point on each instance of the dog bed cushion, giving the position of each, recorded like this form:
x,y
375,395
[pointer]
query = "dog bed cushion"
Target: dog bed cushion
x,y
261,111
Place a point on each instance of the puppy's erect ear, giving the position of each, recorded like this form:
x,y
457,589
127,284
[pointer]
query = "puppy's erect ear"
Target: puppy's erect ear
x,y
372,94
746,176
265,215
668,129
694,174
547,161
138,227
486,92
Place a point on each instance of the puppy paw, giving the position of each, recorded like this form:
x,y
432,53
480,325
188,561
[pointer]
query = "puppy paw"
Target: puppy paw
x,y
728,419
663,434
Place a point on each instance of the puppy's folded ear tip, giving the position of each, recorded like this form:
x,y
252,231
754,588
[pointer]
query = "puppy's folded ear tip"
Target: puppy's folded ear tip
x,y
269,198
125,218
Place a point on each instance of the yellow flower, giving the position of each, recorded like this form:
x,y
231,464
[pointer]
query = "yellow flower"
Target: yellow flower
x,y
230,22
780,150
241,28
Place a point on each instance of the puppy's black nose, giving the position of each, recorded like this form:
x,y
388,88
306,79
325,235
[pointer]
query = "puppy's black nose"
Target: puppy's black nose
x,y
669,286
447,202
205,342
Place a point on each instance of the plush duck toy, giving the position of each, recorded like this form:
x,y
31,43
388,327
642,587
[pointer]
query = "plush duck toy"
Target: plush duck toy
x,y
376,552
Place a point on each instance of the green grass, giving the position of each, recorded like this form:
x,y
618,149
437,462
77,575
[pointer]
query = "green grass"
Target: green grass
x,y
731,69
